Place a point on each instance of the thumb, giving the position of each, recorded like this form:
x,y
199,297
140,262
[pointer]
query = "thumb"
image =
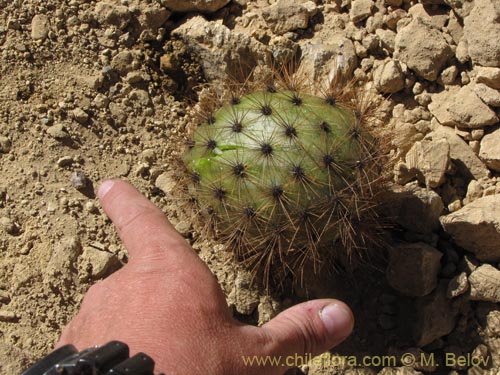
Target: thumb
x,y
309,328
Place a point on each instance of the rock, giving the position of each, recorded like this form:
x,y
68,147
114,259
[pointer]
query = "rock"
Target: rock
x,y
8,316
166,183
488,95
118,114
462,51
7,225
360,10
466,161
204,6
423,48
151,18
65,161
388,77
474,191
490,150
320,60
413,208
490,333
80,116
268,308
5,145
387,39
457,286
134,77
58,131
435,316
448,75
40,27
413,269
101,101
63,259
4,296
220,50
430,159
149,155
243,296
485,284
489,76
481,29
430,15
78,180
392,19
288,15
461,7
111,13
461,107
98,263
405,135
122,62
476,227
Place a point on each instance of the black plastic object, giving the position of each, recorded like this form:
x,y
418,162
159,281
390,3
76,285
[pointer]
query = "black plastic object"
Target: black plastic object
x,y
42,366
107,356
139,364
110,359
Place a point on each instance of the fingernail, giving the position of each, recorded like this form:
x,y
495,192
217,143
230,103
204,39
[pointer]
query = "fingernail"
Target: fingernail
x,y
104,188
338,320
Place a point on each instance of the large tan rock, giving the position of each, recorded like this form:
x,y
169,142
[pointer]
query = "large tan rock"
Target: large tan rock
x,y
466,161
321,59
112,13
462,107
487,94
289,15
476,227
430,160
481,29
488,75
423,48
360,10
388,77
490,150
222,52
413,269
485,284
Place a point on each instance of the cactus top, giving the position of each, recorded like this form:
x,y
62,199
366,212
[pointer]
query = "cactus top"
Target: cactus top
x,y
276,158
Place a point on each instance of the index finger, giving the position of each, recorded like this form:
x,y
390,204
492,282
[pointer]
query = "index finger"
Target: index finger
x,y
143,228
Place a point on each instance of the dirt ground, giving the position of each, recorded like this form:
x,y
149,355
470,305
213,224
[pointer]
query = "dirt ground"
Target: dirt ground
x,y
92,90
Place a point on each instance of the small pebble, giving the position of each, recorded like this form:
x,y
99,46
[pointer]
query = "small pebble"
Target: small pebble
x,y
65,161
80,116
90,207
7,316
5,145
4,296
7,225
78,180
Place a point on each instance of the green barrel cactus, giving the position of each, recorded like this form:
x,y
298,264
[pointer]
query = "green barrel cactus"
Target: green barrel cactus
x,y
287,176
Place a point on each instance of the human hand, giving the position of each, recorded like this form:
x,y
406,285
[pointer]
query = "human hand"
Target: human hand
x,y
166,303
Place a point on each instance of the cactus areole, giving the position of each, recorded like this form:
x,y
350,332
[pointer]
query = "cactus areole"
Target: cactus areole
x,y
282,172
